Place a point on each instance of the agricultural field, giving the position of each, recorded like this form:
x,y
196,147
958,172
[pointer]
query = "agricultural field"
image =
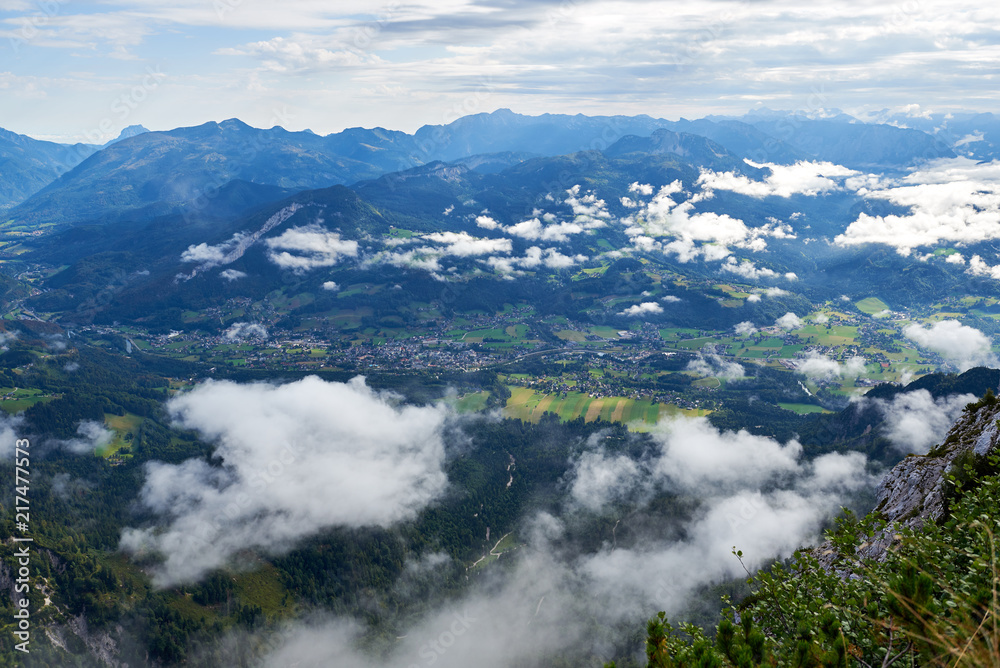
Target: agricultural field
x,y
472,403
529,405
125,427
16,400
871,306
803,409
571,335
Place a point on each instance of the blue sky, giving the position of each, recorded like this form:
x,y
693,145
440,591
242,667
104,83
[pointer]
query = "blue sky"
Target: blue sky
x,y
83,70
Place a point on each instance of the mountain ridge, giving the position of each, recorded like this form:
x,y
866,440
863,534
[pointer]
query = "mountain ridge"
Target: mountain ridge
x,y
172,167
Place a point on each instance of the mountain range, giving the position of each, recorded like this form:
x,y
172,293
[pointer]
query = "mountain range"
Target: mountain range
x,y
144,174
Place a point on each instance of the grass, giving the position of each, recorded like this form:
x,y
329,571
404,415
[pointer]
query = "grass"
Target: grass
x,y
504,544
125,428
604,332
695,344
571,335
188,609
837,335
803,409
528,405
262,587
478,336
674,333
517,331
21,399
472,403
871,305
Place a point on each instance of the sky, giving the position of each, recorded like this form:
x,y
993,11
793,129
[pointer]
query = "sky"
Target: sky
x,y
84,70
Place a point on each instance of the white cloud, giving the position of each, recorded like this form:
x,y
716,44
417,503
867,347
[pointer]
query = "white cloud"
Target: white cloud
x,y
960,345
94,436
705,234
976,136
950,200
688,250
822,318
555,260
232,274
789,321
332,286
9,428
210,256
641,188
5,338
979,267
457,244
588,210
462,244
241,331
730,471
203,253
299,56
713,366
745,328
914,421
755,244
291,467
753,298
805,178
487,223
817,366
425,257
692,456
643,309
309,247
746,269
528,229
618,584
534,230
533,258
529,617
600,478
645,244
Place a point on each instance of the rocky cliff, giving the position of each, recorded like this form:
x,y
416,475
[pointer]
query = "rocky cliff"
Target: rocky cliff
x,y
915,491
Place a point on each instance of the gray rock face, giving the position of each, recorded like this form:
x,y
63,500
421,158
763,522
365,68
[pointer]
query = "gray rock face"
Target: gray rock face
x,y
913,492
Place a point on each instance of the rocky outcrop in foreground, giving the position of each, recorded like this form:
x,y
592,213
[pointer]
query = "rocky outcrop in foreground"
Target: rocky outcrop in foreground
x,y
913,492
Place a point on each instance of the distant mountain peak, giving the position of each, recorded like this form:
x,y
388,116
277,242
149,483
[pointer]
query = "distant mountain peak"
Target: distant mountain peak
x,y
234,124
130,131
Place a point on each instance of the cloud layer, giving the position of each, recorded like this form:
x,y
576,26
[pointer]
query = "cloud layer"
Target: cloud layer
x,y
304,248
296,458
406,65
759,495
802,178
820,367
949,201
914,421
959,345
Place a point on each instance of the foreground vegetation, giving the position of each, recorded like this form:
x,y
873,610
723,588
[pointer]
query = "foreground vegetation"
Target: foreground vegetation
x,y
933,600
